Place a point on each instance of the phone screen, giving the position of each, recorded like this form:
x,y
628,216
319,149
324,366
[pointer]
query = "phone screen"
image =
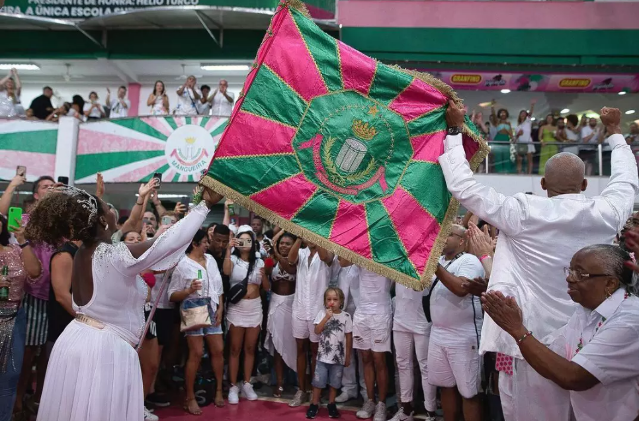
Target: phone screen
x,y
167,220
15,218
63,180
158,175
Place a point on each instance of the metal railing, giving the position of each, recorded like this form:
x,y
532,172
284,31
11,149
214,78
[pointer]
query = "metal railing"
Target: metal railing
x,y
512,158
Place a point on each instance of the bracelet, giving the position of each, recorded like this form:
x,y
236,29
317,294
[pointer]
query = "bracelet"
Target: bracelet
x,y
25,244
484,257
527,334
139,204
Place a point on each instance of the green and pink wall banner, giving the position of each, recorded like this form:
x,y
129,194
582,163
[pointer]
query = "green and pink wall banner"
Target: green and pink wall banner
x,y
28,143
127,150
133,149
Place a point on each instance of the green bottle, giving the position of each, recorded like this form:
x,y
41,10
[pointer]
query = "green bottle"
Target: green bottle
x,y
4,291
231,210
199,277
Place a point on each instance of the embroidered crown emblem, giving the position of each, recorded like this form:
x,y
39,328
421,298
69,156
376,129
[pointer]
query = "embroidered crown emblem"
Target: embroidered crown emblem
x,y
363,130
190,140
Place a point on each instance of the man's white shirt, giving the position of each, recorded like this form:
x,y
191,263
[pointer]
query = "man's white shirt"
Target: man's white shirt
x,y
539,236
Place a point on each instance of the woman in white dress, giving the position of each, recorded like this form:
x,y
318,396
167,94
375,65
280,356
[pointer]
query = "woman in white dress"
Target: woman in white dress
x,y
279,327
94,371
158,100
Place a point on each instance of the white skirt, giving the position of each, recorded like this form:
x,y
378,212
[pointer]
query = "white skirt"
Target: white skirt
x,y
279,329
93,374
247,313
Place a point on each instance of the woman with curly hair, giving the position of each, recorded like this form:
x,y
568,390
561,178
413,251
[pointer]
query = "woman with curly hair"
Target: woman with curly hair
x,y
94,371
279,327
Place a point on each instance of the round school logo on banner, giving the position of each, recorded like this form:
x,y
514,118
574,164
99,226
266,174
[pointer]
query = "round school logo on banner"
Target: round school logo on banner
x,y
358,149
189,149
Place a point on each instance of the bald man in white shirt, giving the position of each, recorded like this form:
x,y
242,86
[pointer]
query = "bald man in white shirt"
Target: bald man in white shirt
x,y
538,237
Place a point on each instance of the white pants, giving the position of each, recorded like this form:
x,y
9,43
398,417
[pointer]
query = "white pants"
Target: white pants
x,y
350,376
527,396
406,346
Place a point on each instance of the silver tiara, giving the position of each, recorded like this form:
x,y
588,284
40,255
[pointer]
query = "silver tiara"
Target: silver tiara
x,y
86,200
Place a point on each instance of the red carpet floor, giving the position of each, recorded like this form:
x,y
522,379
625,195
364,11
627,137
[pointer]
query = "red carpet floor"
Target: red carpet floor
x,y
248,411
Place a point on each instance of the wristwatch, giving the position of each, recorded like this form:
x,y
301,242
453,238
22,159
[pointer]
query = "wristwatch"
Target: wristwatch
x,y
454,131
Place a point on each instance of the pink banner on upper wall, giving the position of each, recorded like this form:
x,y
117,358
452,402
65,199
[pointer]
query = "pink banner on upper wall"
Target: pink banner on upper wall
x,y
586,15
538,82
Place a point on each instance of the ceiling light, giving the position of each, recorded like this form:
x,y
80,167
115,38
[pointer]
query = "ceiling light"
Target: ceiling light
x,y
225,67
505,91
533,118
622,93
22,66
630,112
565,111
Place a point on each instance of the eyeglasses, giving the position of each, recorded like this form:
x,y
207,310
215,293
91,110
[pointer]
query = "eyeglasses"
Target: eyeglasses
x,y
582,276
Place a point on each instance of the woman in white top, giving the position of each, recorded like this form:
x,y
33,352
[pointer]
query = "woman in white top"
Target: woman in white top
x,y
279,327
10,89
93,110
523,139
94,370
245,317
196,281
595,354
158,100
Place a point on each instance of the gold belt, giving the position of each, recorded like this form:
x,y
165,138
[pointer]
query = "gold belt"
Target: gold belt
x,y
82,318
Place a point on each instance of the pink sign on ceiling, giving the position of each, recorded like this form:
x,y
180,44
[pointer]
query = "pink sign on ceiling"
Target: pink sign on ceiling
x,y
539,82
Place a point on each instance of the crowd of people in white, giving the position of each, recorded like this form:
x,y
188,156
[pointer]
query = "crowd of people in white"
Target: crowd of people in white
x,y
531,300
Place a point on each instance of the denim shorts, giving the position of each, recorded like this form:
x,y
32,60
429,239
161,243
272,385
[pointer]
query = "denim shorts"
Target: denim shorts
x,y
327,373
211,330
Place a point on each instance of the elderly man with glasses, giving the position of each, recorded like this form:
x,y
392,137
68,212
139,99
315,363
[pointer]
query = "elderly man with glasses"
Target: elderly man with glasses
x,y
594,356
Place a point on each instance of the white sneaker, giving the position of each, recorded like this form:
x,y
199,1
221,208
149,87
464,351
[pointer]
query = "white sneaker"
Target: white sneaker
x,y
299,398
380,412
367,410
401,416
233,395
148,416
248,392
343,397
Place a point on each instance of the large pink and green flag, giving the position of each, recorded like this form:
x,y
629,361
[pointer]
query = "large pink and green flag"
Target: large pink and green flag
x,y
342,150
